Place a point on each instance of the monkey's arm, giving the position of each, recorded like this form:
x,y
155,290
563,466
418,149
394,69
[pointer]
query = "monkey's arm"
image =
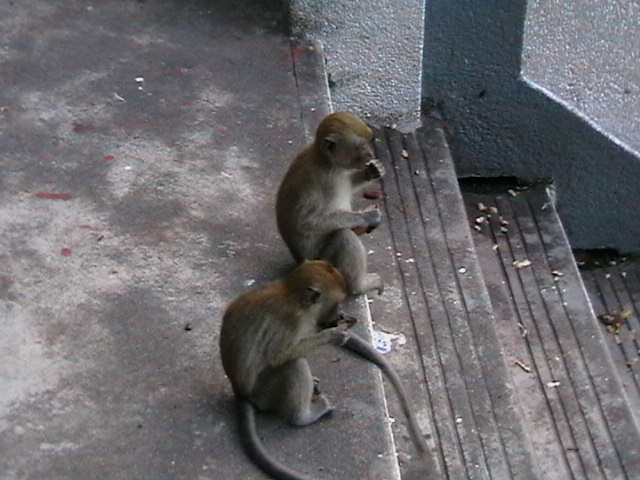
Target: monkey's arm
x,y
372,225
366,219
371,171
336,335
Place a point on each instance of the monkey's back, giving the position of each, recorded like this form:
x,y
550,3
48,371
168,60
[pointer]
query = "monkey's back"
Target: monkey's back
x,y
249,336
309,192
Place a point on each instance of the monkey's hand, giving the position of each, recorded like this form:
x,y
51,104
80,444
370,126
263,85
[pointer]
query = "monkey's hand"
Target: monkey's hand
x,y
373,170
339,334
346,320
371,217
338,319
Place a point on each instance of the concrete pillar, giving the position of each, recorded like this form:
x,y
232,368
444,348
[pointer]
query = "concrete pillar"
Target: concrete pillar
x,y
374,54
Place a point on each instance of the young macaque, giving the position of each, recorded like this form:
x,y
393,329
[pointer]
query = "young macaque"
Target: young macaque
x,y
266,335
313,206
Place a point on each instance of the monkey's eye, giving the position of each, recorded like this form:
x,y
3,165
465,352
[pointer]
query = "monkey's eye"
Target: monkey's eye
x,y
311,296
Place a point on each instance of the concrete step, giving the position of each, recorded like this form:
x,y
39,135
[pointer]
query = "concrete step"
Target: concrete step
x,y
374,54
142,146
574,402
437,309
614,289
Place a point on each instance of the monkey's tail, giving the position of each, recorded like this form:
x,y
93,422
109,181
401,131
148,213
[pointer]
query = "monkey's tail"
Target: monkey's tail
x,y
363,348
255,448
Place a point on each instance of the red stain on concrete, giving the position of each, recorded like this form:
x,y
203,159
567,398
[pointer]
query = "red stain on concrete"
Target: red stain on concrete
x,y
66,252
79,127
297,52
109,158
54,196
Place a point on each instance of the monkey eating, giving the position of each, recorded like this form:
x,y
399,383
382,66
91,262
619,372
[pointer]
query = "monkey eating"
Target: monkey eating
x,y
313,205
265,336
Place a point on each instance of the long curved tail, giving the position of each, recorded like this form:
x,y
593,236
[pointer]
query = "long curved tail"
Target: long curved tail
x,y
363,348
255,448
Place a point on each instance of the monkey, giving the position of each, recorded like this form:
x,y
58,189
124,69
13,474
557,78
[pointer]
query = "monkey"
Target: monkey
x,y
266,334
313,204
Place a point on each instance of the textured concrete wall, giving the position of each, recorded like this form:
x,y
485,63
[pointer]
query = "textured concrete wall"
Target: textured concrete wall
x,y
373,51
587,52
503,124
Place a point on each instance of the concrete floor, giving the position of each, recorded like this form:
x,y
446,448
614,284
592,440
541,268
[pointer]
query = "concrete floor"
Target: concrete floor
x,y
140,147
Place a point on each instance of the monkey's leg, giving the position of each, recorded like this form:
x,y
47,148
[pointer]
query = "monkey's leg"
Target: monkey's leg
x,y
288,391
346,252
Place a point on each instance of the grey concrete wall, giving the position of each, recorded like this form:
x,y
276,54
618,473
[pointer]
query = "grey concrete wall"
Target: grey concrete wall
x,y
500,123
587,52
373,51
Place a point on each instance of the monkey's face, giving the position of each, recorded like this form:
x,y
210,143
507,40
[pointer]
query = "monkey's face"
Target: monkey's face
x,y
363,154
319,287
349,151
345,140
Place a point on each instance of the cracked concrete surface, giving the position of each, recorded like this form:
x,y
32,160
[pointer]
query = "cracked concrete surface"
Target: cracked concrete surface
x,y
140,147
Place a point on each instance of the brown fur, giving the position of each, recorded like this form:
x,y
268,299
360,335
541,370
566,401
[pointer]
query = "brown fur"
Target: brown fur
x,y
313,207
265,336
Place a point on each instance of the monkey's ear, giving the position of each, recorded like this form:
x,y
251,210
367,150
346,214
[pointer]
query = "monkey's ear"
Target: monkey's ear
x,y
311,296
329,144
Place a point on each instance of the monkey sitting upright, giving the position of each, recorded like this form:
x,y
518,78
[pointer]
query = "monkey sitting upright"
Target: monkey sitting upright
x,y
266,335
313,206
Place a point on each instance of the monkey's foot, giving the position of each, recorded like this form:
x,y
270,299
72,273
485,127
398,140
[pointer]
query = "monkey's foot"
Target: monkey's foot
x,y
317,408
316,387
372,281
372,217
